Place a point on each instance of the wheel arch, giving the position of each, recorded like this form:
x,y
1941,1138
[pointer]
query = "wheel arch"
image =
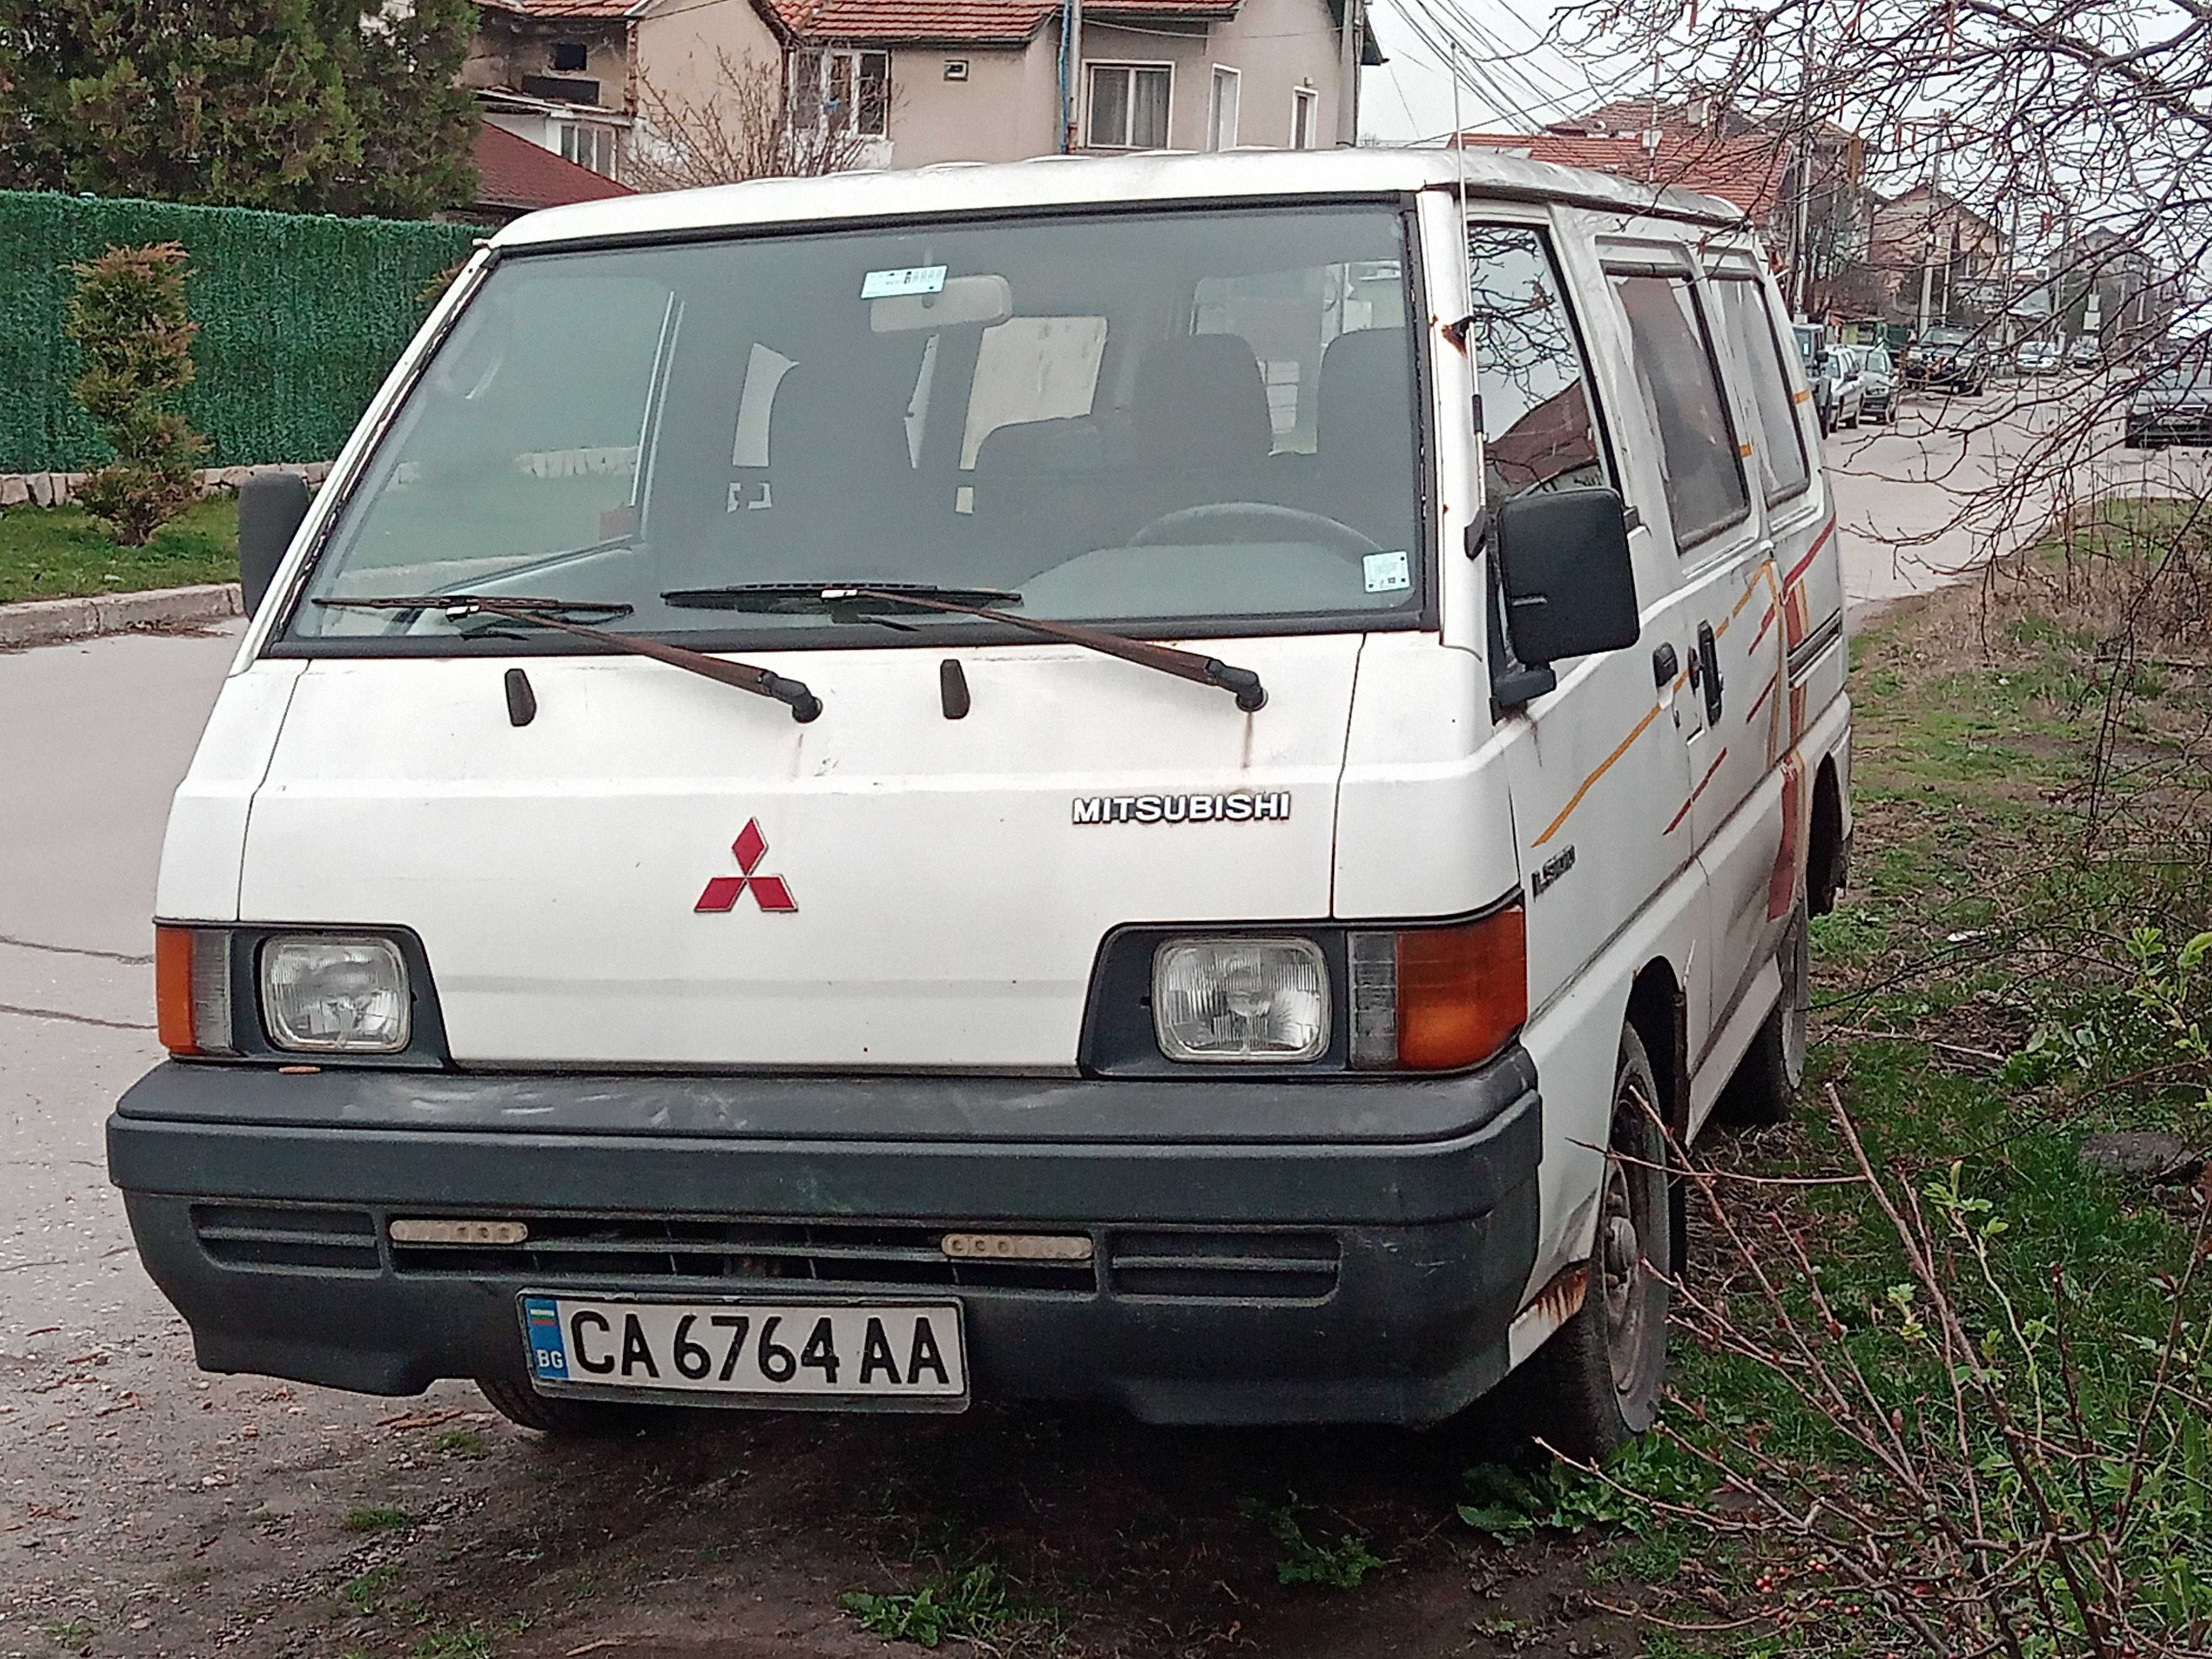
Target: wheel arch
x,y
1825,855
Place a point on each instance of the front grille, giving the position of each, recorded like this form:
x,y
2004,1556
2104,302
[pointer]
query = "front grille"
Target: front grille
x,y
287,1236
607,1248
1243,1266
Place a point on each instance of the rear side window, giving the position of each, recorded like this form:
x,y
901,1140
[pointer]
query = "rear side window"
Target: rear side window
x,y
1675,370
1540,431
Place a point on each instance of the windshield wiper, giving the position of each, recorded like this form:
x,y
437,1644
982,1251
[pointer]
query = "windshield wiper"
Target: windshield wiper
x,y
553,613
857,600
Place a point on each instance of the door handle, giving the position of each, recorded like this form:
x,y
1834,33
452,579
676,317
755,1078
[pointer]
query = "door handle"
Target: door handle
x,y
1709,659
1664,666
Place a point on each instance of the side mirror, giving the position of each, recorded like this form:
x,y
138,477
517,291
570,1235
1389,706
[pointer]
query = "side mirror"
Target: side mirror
x,y
1562,564
270,507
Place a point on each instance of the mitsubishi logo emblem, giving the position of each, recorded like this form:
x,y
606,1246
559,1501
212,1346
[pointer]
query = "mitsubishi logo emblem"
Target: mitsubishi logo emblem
x,y
768,892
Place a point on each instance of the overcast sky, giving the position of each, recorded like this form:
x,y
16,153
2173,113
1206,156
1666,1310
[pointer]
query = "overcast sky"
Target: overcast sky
x,y
1411,96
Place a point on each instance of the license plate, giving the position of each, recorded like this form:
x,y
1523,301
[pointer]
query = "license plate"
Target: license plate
x,y
877,1353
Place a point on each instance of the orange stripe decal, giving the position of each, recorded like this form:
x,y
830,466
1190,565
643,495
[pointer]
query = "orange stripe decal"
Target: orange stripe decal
x,y
1764,622
1743,449
1603,767
1695,793
1799,396
1782,885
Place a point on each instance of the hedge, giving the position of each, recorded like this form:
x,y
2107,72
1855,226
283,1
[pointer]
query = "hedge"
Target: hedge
x,y
300,316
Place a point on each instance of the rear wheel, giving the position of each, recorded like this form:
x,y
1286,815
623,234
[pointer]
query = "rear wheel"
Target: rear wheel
x,y
1765,1087
1597,1382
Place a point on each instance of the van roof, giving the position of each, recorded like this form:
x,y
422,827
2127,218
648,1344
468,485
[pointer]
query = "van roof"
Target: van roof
x,y
960,187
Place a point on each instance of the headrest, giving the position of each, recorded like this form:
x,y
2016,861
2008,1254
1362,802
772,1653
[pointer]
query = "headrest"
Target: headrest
x,y
1200,402
1366,395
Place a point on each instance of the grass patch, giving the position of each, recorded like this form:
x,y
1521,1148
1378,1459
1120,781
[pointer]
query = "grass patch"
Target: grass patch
x,y
459,1442
374,1518
367,1591
69,1633
453,1642
62,552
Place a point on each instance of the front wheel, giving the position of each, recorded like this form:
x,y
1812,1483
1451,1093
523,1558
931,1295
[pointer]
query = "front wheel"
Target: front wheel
x,y
1597,1382
573,1419
1765,1087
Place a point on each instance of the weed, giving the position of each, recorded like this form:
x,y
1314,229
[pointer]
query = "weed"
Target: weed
x,y
450,1642
374,1518
367,1591
973,1606
1511,1506
459,1442
70,1632
1335,1563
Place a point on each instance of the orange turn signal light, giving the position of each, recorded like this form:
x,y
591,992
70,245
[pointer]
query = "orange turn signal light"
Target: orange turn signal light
x,y
172,989
191,990
1462,991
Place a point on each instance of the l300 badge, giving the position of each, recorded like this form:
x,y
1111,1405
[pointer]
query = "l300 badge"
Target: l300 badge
x,y
1271,807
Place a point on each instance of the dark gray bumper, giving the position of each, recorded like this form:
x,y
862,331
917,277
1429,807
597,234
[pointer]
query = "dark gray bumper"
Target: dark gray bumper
x,y
1327,1250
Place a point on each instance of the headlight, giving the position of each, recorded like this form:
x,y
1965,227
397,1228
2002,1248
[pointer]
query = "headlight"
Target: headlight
x,y
332,993
1263,999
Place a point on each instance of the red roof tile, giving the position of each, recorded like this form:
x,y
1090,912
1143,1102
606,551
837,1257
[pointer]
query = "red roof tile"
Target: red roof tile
x,y
514,172
972,21
611,9
1745,171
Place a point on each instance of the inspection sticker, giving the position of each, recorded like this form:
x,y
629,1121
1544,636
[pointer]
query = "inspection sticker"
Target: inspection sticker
x,y
914,279
1386,573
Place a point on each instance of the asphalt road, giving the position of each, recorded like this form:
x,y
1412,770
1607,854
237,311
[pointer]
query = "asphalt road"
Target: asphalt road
x,y
147,1508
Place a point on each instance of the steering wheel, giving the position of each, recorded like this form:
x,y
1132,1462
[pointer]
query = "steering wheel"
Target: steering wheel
x,y
1229,522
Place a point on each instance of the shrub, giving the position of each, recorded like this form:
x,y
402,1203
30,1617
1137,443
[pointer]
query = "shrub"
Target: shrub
x,y
128,318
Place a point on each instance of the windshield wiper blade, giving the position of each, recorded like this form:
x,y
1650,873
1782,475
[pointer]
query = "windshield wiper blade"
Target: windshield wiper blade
x,y
1241,683
805,706
844,599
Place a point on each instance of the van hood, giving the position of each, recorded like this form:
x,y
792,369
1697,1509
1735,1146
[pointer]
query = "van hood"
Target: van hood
x,y
659,869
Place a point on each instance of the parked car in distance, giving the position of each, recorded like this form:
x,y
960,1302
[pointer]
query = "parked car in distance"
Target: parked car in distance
x,y
2175,408
1877,384
1837,397
1946,359
2036,357
2085,352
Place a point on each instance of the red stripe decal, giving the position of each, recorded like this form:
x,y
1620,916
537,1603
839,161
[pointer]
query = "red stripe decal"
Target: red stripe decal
x,y
1782,885
1805,563
1764,622
1673,822
1759,702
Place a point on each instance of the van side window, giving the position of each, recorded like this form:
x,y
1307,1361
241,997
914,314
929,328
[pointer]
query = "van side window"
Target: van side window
x,y
1782,469
1681,388
1540,431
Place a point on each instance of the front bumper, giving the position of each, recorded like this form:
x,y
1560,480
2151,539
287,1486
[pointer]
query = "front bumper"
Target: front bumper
x,y
1318,1251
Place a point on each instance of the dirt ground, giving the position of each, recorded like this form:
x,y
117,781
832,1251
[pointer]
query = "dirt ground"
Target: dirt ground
x,y
234,1515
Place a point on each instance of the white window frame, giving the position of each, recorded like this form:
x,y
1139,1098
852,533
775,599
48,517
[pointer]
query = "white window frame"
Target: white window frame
x,y
570,145
1223,75
820,59
1128,66
1305,106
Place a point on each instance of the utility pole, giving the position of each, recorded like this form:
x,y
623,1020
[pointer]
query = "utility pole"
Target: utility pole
x,y
1071,76
1935,203
1347,92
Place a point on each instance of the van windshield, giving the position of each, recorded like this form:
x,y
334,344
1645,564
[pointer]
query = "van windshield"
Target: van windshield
x,y
1186,417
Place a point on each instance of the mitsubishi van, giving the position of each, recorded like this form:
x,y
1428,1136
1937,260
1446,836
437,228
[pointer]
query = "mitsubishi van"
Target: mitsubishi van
x,y
1160,780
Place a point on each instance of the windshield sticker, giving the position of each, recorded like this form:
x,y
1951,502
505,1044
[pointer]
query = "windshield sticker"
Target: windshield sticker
x,y
914,279
1273,807
1386,573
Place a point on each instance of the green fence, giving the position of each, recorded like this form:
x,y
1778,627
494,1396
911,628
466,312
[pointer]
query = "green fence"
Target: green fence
x,y
300,317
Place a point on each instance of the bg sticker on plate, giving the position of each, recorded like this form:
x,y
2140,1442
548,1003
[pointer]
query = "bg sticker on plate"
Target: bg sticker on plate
x,y
893,284
1386,573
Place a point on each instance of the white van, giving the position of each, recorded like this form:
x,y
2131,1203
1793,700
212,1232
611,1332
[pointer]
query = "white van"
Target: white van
x,y
1105,779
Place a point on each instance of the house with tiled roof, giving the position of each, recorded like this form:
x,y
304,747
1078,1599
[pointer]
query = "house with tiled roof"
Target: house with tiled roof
x,y
904,83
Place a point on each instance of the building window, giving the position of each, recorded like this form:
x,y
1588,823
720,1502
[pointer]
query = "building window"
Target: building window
x,y
568,56
1305,116
589,146
956,68
1129,106
1221,110
842,94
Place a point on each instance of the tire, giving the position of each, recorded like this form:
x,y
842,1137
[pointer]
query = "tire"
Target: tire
x,y
1596,1384
514,1400
1765,1087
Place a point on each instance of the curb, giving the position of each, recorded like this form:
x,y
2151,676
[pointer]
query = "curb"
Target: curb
x,y
60,488
49,622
